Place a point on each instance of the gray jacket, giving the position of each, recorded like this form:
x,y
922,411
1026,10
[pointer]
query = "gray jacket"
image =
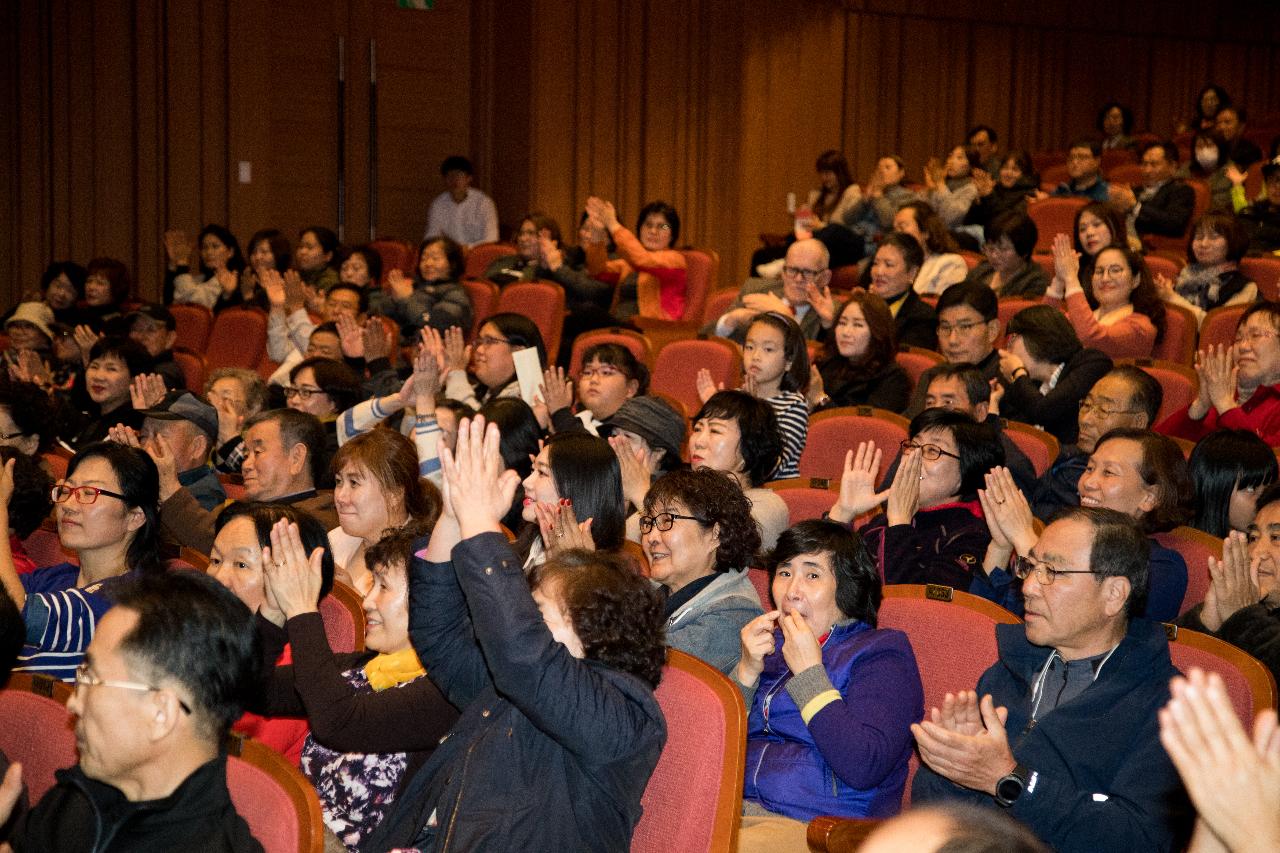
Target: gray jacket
x,y
708,625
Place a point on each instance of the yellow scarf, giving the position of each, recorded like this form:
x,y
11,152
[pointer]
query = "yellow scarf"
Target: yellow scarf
x,y
386,671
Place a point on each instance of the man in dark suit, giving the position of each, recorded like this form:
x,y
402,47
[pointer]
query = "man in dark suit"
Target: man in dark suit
x,y
1164,205
803,292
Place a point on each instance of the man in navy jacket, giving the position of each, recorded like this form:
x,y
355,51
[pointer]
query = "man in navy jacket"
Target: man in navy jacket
x,y
1065,736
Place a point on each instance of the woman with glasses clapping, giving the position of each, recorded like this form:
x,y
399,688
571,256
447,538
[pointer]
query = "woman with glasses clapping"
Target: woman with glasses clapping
x,y
106,510
932,529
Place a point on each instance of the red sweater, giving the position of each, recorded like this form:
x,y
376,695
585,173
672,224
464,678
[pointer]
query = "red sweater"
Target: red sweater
x,y
1260,414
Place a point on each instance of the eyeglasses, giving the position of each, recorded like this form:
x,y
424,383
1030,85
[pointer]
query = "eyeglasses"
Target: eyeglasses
x,y
603,372
84,679
5,436
302,393
945,329
657,226
487,341
930,451
1023,567
1253,336
1087,406
664,520
61,493
802,273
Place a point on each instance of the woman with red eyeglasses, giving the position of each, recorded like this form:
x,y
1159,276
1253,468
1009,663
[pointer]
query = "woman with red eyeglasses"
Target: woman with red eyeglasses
x,y
106,510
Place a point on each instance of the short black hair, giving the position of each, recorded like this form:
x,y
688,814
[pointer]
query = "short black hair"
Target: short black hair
x,y
1019,228
761,442
32,492
667,212
31,411
716,497
978,444
1126,116
324,236
334,378
1120,549
298,428
1269,495
73,271
194,631
519,331
1094,145
616,355
909,247
264,516
134,355
457,163
361,293
1046,333
976,129
454,254
1168,147
1145,393
1222,461
858,588
979,297
975,384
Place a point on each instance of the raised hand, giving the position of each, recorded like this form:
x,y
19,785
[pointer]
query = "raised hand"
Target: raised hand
x,y
816,389
972,756
230,419
1010,364
177,248
636,465
824,304
1007,510
556,391
904,493
292,576
6,482
350,336
549,254
398,285
1066,262
457,355
800,648
762,302
707,386
313,300
1216,367
85,339
983,182
757,642
481,488
377,343
561,530
273,284
1233,582
227,280
295,294
161,453
426,377
146,390
858,483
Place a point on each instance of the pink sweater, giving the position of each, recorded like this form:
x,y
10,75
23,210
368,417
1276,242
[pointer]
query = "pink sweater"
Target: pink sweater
x,y
1133,336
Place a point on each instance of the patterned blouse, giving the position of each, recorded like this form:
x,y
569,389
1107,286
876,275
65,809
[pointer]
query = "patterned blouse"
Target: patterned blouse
x,y
356,788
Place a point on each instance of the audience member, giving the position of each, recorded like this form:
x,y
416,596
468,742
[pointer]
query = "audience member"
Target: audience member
x,y
1115,123
803,293
291,334
284,460
1008,192
268,251
221,263
28,507
366,739
106,515
1261,219
28,420
968,327
982,143
111,369
1007,267
654,274
931,530
155,329
314,258
166,673
107,287
951,828
525,265
700,539
1211,278
560,730
462,213
1242,604
189,428
1164,205
1118,310
236,393
882,196
831,697
1237,149
1046,372
1239,385
949,188
362,268
1229,468
1204,112
238,559
863,370
942,267
432,298
1097,226
61,288
893,272
1084,172
611,375
1064,735
489,357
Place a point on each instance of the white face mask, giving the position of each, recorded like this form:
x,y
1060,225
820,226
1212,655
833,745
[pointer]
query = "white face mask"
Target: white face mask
x,y
1207,157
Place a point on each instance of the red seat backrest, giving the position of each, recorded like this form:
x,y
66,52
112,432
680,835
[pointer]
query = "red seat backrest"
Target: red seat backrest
x,y
1264,272
916,360
1179,340
835,431
193,368
760,580
675,371
192,323
1196,547
543,303
1052,175
45,549
805,499
718,303
1250,685
396,254
238,339
1219,326
274,798
1179,383
1040,447
844,278
479,257
343,617
634,341
36,730
693,801
1054,216
484,302
702,266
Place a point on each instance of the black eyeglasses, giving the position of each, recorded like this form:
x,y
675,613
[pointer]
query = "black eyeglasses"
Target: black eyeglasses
x,y
1044,572
303,394
930,451
61,493
664,520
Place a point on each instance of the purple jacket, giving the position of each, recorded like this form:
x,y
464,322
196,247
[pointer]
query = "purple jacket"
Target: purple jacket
x,y
850,758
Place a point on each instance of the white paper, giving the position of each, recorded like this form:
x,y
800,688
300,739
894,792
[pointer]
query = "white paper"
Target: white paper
x,y
528,372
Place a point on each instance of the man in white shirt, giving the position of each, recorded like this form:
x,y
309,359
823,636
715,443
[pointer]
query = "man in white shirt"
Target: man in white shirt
x,y
462,212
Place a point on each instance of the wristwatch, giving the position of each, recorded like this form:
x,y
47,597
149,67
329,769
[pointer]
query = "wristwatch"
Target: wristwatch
x,y
1010,787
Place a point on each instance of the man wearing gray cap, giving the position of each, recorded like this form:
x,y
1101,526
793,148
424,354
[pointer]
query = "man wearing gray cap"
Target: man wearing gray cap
x,y
189,426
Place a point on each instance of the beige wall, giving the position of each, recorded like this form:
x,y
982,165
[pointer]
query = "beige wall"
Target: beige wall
x,y
127,118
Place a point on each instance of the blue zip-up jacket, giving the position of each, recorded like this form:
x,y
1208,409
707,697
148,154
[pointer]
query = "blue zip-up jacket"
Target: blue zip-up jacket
x,y
835,739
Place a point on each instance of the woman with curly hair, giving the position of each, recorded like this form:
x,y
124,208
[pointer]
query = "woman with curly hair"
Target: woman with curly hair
x,y
831,697
560,729
699,536
1118,310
